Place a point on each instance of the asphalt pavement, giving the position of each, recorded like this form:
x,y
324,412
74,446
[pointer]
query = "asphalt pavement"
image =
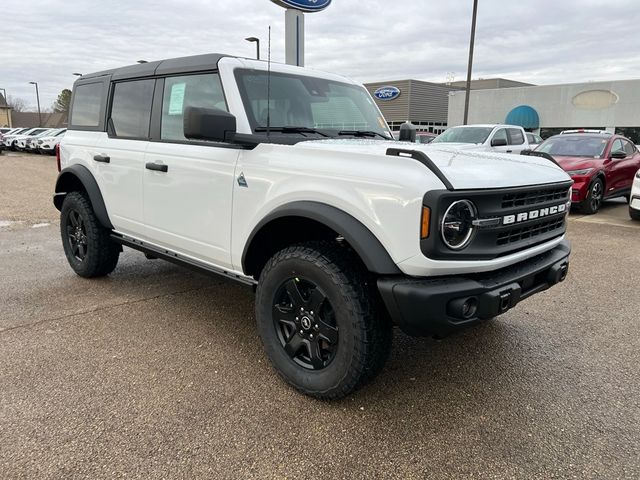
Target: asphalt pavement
x,y
158,372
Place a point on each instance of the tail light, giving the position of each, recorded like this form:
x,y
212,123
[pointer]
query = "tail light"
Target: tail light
x,y
57,147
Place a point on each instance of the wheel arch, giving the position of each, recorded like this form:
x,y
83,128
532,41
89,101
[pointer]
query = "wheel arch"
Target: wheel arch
x,y
79,178
305,220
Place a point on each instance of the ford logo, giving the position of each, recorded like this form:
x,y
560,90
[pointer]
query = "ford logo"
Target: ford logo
x,y
304,5
386,93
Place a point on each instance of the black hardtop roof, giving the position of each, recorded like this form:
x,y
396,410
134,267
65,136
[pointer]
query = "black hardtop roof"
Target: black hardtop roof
x,y
194,63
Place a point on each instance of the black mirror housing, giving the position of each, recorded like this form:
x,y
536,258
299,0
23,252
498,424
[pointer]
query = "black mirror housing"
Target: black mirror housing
x,y
212,124
499,142
408,132
619,155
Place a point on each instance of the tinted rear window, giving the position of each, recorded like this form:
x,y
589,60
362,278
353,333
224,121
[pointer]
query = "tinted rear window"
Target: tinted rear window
x,y
87,101
131,108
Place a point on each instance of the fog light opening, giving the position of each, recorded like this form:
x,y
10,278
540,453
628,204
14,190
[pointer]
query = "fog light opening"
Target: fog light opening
x,y
470,307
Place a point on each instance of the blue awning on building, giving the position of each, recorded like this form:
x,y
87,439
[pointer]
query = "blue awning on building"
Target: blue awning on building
x,y
524,116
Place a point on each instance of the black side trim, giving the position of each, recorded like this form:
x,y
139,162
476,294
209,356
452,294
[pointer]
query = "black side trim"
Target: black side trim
x,y
423,159
69,178
359,237
178,259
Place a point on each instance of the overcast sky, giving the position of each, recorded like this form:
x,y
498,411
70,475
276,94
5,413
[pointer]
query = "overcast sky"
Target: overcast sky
x,y
536,41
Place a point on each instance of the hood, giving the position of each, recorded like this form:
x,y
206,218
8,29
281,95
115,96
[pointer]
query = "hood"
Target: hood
x,y
578,163
461,146
463,168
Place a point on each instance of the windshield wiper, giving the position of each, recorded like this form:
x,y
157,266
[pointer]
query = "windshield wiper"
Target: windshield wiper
x,y
363,133
291,130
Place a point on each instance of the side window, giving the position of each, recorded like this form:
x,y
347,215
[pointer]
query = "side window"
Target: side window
x,y
87,100
204,90
131,108
500,135
617,146
515,136
628,148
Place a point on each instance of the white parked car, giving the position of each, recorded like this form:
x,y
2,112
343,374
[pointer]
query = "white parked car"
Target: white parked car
x,y
533,139
497,138
20,141
634,198
9,138
341,229
47,142
31,143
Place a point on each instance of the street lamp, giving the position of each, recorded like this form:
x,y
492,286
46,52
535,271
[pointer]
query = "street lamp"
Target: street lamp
x,y
257,41
77,74
142,61
38,98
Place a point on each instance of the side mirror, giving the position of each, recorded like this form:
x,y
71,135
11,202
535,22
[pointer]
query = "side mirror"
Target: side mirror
x,y
499,142
408,132
210,124
526,151
618,155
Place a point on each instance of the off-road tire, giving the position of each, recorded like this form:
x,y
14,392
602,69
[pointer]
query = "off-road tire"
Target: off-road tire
x,y
364,333
100,253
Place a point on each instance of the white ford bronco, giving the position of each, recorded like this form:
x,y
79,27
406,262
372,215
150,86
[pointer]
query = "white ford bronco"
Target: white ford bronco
x,y
288,179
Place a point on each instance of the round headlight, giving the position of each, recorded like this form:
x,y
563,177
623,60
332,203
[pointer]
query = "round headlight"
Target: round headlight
x,y
457,224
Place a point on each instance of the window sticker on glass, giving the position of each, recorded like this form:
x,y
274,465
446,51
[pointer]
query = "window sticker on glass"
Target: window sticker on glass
x,y
177,99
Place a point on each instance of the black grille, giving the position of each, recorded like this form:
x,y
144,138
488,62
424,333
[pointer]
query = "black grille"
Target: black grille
x,y
534,197
522,233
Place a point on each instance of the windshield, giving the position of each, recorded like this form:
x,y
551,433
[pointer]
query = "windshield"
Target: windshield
x,y
574,146
464,135
308,102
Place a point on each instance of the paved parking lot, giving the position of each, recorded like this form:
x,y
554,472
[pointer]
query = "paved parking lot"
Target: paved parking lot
x,y
158,372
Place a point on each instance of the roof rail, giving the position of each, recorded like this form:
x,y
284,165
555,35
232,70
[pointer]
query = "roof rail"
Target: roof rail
x,y
585,130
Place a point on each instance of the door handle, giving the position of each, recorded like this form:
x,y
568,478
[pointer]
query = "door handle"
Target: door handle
x,y
157,167
102,158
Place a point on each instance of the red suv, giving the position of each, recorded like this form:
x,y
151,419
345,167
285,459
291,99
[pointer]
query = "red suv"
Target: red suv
x,y
602,165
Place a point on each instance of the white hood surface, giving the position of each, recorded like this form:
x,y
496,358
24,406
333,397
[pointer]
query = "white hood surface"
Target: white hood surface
x,y
465,169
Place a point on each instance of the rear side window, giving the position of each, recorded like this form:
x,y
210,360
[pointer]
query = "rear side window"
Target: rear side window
x,y
87,102
131,109
515,137
204,90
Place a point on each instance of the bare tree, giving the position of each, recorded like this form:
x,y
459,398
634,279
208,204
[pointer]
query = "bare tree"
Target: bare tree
x,y
17,104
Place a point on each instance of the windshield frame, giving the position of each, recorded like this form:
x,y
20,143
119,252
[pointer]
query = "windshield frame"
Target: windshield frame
x,y
333,132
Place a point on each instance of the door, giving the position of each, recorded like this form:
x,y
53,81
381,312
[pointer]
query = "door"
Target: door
x,y
188,185
119,155
500,135
516,140
630,164
619,171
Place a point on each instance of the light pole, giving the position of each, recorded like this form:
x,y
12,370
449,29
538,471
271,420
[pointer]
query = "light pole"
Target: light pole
x,y
469,67
257,41
38,99
142,61
77,74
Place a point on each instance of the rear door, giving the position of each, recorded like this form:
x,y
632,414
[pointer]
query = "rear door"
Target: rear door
x,y
188,185
517,141
119,156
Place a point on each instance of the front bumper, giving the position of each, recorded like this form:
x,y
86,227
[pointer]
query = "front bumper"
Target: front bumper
x,y
441,305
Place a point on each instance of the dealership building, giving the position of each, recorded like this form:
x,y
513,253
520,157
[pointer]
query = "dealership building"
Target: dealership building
x,y
548,109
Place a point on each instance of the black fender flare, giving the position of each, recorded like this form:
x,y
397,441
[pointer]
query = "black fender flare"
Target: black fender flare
x,y
360,238
69,178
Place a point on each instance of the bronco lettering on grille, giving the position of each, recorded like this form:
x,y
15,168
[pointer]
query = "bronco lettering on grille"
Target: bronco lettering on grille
x,y
533,214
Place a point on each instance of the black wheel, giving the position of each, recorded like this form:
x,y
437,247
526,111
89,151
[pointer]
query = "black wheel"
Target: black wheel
x,y
318,317
634,214
87,245
592,203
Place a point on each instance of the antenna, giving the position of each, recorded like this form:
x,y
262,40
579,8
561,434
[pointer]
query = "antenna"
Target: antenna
x,y
269,84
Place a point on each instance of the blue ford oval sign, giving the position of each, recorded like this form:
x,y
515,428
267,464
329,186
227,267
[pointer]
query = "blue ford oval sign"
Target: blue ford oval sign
x,y
304,5
386,93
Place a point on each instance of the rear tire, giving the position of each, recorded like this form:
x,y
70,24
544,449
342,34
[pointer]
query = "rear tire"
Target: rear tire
x,y
86,243
317,315
592,203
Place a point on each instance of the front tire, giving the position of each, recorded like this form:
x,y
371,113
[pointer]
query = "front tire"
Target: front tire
x,y
634,214
592,203
89,250
317,315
